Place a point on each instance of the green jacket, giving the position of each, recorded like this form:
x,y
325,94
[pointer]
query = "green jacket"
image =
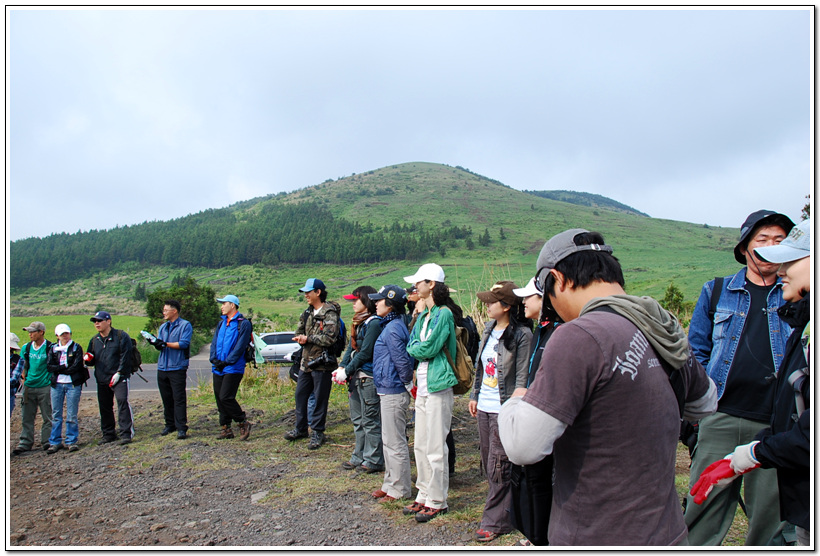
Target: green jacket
x,y
442,331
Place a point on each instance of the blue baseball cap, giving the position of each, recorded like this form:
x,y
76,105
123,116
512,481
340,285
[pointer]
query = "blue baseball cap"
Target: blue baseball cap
x,y
797,245
101,315
313,284
232,298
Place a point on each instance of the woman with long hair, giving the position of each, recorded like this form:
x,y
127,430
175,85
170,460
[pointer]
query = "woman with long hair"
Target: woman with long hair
x,y
502,367
356,369
431,340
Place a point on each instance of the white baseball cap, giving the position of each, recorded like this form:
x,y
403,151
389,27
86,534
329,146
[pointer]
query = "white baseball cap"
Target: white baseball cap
x,y
528,290
13,341
429,271
61,329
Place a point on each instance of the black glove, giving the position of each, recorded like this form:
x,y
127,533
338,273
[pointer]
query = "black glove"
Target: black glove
x,y
14,384
219,364
159,344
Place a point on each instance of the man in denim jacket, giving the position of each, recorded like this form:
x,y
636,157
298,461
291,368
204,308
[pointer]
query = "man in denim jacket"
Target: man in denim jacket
x,y
741,347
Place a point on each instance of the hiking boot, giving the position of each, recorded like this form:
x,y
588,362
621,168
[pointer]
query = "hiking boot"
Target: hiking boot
x,y
385,498
73,448
483,535
412,509
368,470
167,430
316,439
124,441
108,439
46,447
378,494
349,465
226,433
18,450
244,430
295,434
54,448
426,514
182,435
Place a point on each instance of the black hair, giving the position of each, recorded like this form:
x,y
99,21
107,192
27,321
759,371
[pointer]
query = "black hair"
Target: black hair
x,y
173,303
584,267
396,305
322,294
517,320
361,293
441,297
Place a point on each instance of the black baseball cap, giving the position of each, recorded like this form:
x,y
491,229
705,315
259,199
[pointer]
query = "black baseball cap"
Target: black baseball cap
x,y
757,220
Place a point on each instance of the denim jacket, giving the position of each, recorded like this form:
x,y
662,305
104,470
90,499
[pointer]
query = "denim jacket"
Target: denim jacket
x,y
715,344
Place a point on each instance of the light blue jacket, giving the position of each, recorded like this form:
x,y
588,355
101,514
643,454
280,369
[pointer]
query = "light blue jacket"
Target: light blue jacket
x,y
178,331
715,345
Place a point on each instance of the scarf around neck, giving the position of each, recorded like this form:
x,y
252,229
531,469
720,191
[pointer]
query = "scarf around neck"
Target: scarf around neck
x,y
358,319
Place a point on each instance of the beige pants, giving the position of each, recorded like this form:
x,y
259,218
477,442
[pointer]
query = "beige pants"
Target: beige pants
x,y
433,415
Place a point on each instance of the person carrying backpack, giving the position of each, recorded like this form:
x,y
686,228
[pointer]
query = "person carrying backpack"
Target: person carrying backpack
x,y
502,367
432,334
37,388
109,352
228,347
318,334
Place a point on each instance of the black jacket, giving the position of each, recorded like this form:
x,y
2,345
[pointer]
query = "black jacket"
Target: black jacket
x,y
74,366
112,355
785,445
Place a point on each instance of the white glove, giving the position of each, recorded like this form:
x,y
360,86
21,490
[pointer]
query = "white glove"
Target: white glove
x,y
743,458
339,375
409,388
115,379
289,356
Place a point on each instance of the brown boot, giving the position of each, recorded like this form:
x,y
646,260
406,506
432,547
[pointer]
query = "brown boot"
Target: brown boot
x,y
226,433
244,430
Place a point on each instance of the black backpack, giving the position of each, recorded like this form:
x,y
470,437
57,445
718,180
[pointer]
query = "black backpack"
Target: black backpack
x,y
474,339
136,356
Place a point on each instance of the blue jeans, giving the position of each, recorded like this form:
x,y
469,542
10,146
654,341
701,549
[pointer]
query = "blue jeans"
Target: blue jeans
x,y
69,394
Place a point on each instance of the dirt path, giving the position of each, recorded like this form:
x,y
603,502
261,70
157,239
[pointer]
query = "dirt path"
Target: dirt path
x,y
160,491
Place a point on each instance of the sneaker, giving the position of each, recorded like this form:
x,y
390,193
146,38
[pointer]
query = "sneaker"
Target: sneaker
x,y
485,536
73,448
426,514
108,439
124,441
316,439
226,433
244,430
167,430
54,448
295,434
412,509
182,435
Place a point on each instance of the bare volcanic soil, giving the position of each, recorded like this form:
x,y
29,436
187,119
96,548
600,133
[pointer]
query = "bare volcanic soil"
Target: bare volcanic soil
x,y
160,491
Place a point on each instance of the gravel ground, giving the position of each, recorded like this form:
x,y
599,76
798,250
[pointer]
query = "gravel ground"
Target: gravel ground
x,y
160,491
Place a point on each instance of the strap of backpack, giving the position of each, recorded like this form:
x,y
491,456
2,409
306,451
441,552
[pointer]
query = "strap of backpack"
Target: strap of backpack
x,y
713,301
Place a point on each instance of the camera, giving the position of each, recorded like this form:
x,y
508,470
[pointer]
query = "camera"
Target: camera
x,y
323,360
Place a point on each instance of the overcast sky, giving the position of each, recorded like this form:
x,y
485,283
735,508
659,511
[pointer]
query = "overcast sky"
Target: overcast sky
x,y
122,116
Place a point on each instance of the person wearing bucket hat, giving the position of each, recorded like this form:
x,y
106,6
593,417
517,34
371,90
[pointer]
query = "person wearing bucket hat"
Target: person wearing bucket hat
x,y
231,338
738,336
393,378
500,370
68,374
356,370
33,370
785,445
434,329
14,374
619,364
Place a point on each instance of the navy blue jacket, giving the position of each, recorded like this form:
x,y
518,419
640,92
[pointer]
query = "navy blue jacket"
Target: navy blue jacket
x,y
392,365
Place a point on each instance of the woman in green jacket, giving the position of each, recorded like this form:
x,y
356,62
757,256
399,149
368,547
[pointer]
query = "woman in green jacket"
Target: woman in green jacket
x,y
432,334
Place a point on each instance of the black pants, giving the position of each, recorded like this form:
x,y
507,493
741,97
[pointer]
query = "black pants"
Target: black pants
x,y
319,383
171,386
105,399
225,388
451,452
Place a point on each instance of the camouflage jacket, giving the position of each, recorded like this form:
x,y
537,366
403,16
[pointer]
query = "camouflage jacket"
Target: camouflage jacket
x,y
321,330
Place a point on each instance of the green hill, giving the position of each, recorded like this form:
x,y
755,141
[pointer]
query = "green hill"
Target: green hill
x,y
348,232
586,199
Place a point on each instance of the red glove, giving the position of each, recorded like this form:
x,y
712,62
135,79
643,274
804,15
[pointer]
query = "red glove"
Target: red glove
x,y
718,474
413,391
88,357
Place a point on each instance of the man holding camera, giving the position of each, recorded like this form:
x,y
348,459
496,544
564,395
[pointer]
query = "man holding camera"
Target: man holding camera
x,y
317,332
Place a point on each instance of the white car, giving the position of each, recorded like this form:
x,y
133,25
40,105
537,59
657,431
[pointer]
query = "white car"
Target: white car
x,y
277,345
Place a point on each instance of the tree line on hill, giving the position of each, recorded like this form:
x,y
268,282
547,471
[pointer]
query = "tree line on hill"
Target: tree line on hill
x,y
276,233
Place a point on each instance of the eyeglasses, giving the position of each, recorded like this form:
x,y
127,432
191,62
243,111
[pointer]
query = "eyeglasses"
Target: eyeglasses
x,y
95,321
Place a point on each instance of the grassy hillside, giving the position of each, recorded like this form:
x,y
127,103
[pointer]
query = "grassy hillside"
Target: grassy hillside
x,y
653,252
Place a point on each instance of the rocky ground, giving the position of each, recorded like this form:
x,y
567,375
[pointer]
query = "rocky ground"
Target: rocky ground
x,y
160,491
